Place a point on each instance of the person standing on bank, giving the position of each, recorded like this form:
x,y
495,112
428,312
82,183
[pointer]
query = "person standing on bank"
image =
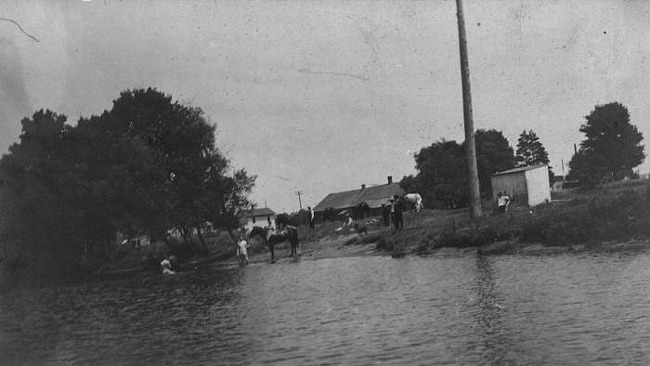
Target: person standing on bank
x,y
397,208
502,202
311,217
385,214
242,250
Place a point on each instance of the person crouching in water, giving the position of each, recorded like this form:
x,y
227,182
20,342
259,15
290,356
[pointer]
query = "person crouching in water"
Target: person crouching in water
x,y
166,265
242,252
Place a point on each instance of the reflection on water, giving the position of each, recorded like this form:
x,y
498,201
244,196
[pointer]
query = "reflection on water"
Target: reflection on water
x,y
565,309
488,314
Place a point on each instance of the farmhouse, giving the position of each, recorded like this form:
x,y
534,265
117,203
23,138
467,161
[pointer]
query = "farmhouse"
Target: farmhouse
x,y
355,201
526,185
258,217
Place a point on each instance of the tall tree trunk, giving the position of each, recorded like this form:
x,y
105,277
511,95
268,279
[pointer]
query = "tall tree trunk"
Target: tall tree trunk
x,y
474,192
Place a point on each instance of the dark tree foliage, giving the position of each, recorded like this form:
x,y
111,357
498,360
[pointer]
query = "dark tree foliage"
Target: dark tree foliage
x,y
33,211
442,175
146,166
612,146
530,150
441,164
493,154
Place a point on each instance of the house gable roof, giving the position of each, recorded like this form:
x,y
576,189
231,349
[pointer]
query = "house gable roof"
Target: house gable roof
x,y
374,196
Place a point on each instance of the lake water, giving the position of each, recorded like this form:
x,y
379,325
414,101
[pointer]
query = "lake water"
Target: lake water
x,y
569,309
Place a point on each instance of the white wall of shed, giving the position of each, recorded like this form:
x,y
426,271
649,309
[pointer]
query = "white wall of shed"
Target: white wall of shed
x,y
539,190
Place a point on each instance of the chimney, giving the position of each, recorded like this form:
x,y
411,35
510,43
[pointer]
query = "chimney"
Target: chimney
x,y
363,186
390,179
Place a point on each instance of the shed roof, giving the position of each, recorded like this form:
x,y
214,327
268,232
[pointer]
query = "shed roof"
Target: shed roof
x,y
374,196
518,170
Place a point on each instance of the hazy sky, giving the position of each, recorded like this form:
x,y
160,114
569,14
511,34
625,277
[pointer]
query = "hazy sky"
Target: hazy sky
x,y
323,96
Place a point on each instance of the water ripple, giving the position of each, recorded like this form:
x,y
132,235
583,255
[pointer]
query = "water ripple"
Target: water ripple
x,y
565,309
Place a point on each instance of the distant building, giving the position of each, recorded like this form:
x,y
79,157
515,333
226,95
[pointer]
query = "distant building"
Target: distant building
x,y
348,201
558,184
139,240
527,185
258,217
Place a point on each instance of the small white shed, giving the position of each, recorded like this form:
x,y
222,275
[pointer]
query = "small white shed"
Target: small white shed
x,y
526,185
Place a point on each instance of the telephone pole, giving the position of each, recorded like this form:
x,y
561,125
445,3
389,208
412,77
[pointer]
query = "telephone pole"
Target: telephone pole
x,y
299,200
474,192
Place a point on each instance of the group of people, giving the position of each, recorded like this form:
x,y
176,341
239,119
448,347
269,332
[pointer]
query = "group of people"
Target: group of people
x,y
394,212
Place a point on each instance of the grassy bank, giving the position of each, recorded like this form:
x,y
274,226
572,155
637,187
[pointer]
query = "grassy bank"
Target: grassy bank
x,y
618,212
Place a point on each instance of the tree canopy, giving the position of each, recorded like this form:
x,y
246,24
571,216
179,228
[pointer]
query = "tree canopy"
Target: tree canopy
x,y
530,150
612,146
442,175
493,154
148,165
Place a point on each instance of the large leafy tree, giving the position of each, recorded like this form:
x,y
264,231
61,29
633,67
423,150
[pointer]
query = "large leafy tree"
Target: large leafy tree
x,y
37,224
612,146
493,154
442,179
186,179
148,165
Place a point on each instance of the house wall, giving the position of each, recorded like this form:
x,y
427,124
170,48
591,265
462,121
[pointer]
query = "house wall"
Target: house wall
x,y
539,190
514,185
263,221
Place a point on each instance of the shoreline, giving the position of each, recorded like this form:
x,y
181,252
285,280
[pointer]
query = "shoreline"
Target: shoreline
x,y
340,247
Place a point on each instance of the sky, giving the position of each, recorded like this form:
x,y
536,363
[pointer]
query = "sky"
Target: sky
x,y
323,96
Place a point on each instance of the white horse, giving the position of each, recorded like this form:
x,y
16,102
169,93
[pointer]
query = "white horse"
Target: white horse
x,y
415,200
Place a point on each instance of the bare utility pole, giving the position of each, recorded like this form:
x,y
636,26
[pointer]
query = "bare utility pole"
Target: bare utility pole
x,y
299,200
474,192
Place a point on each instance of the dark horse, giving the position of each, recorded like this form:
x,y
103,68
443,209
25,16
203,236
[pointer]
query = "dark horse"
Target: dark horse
x,y
273,237
282,220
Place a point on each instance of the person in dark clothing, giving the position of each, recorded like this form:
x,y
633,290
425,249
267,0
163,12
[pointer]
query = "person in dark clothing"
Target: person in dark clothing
x,y
397,208
385,213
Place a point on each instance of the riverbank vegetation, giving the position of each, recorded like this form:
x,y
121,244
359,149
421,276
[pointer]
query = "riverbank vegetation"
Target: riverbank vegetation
x,y
76,199
72,195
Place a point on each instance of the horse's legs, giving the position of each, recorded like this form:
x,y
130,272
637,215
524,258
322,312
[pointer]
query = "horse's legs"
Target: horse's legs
x,y
271,248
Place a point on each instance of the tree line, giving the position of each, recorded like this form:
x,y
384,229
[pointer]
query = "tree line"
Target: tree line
x,y
611,150
442,167
148,165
